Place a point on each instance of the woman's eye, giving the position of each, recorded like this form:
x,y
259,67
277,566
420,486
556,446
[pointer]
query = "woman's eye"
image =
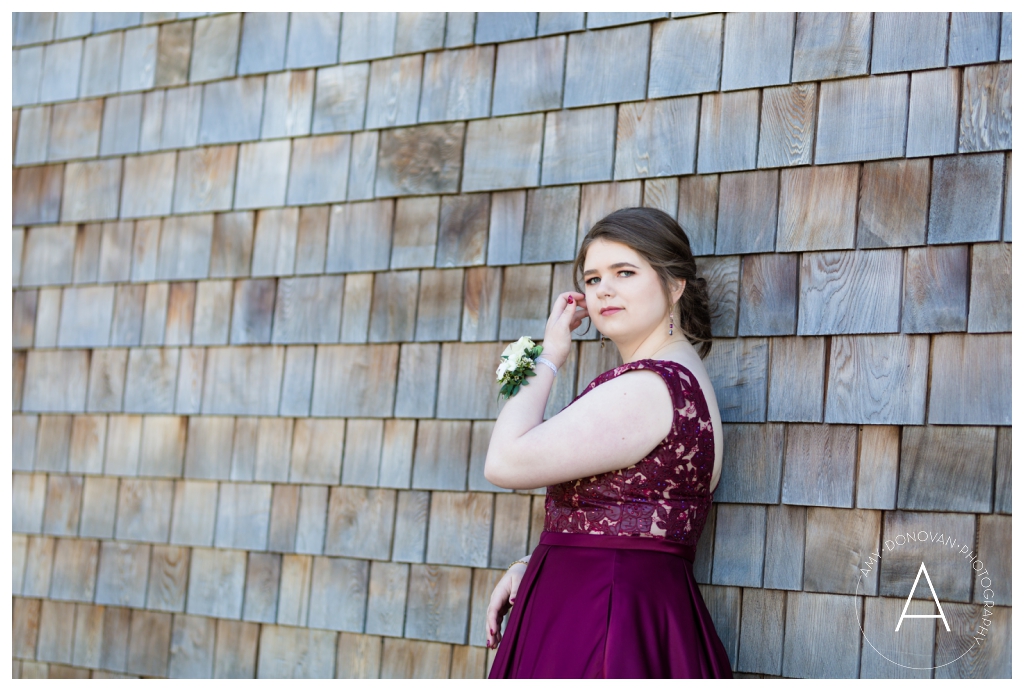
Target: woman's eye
x,y
626,271
590,281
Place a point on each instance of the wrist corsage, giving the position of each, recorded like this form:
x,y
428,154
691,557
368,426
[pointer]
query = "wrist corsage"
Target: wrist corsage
x,y
517,362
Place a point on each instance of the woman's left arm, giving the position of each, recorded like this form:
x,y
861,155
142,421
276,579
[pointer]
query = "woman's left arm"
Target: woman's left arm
x,y
612,427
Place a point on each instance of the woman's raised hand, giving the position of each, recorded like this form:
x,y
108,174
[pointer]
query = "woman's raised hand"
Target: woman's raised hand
x,y
567,314
502,599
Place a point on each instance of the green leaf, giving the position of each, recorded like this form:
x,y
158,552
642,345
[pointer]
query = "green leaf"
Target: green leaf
x,y
531,373
525,382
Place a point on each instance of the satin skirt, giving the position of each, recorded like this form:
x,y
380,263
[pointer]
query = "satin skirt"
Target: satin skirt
x,y
602,606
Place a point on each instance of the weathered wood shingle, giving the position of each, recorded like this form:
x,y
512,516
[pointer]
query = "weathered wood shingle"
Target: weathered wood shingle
x,y
905,41
970,382
758,49
849,292
935,289
863,375
607,66
965,198
685,56
819,465
528,76
862,119
934,102
728,131
656,138
893,203
579,146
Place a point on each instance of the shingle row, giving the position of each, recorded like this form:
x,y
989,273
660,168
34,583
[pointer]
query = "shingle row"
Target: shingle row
x,y
687,55
115,642
388,379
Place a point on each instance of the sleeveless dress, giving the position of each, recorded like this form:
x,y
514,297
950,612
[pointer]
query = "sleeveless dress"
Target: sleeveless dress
x,y
609,591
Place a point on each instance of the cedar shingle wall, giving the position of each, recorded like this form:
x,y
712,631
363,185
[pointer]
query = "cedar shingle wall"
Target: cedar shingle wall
x,y
264,265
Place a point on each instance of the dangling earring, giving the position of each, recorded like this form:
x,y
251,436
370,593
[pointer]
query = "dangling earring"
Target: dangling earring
x,y
602,340
671,324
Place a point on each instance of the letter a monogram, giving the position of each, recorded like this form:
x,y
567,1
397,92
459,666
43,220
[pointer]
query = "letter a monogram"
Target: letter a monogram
x,y
935,597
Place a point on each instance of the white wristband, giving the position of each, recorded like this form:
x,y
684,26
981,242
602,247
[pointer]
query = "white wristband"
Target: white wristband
x,y
545,361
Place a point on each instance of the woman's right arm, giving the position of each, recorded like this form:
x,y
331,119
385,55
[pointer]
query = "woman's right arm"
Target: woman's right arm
x,y
502,598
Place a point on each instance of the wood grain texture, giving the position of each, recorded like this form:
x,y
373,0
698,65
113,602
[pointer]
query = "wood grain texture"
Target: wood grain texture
x,y
405,659
863,376
831,44
877,460
411,526
339,103
361,460
338,597
359,655
216,583
149,643
723,284
768,295
787,125
931,455
797,379
359,522
738,370
606,66
55,639
838,543
396,453
728,131
579,146
419,31
849,292
511,525
758,49
438,608
99,500
293,598
122,574
1004,471
817,208
63,505
739,545
442,455
55,381
163,445
902,563
457,84
747,212
415,236
316,451
192,641
760,646
460,528
194,513
420,160
53,444
991,288
862,119
296,653
502,153
465,382
821,645
394,93
1008,200
30,492
371,372
525,301
37,194
243,516
144,510
820,465
385,609
262,580
935,289
417,380
685,56
208,450
359,237
168,575
905,41
893,203
528,76
235,651
38,566
462,231
315,176
393,308
907,652
970,368
355,311
662,194
698,211
505,236
74,570
934,105
656,138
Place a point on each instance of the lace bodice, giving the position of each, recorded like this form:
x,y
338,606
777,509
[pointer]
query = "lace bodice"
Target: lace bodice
x,y
666,494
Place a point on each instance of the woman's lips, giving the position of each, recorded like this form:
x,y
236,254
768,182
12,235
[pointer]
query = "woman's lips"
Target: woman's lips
x,y
610,310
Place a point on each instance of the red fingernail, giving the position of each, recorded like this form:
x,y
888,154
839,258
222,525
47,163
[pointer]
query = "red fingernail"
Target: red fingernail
x,y
570,299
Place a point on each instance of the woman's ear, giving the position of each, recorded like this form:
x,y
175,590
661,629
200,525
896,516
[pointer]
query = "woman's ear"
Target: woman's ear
x,y
679,286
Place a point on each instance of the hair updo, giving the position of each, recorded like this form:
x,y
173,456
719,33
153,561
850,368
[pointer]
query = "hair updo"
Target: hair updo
x,y
660,240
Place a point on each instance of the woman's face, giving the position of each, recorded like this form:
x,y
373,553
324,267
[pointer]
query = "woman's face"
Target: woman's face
x,y
625,297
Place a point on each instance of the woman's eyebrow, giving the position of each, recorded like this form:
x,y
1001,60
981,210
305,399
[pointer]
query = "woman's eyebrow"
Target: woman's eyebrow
x,y
613,266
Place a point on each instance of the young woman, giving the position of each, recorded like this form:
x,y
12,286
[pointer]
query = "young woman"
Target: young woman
x,y
630,466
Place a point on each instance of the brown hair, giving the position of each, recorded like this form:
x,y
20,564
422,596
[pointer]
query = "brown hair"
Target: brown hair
x,y
656,237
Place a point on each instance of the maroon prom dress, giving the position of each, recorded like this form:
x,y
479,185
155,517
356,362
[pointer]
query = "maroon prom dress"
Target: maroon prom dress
x,y
609,591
